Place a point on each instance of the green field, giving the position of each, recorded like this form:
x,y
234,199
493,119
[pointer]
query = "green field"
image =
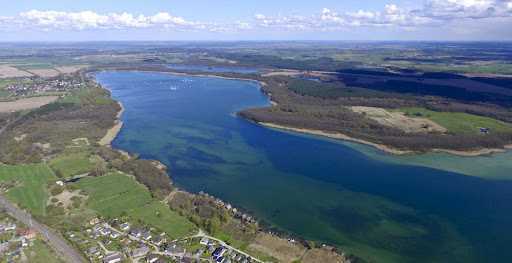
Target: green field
x,y
158,215
68,165
116,195
458,122
30,190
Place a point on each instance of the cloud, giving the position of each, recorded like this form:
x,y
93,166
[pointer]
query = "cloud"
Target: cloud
x,y
433,13
84,20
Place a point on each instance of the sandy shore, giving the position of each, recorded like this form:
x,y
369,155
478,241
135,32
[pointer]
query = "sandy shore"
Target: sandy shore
x,y
114,131
338,136
384,148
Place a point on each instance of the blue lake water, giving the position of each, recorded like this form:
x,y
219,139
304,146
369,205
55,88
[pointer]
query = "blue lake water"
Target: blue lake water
x,y
216,69
382,210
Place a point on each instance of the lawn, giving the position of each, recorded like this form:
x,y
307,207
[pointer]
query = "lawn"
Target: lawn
x,y
116,195
70,164
30,190
458,122
158,215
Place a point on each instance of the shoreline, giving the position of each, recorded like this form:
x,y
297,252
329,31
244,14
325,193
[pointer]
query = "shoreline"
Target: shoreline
x,y
114,130
264,229
338,136
385,148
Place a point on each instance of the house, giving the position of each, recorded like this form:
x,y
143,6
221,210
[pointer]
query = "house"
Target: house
x,y
174,249
218,252
97,228
10,227
152,258
94,251
24,242
210,248
28,233
113,257
158,240
105,231
114,235
125,226
140,251
146,235
136,232
94,221
484,130
204,241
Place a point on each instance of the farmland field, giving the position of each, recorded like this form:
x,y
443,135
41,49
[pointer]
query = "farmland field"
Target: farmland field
x,y
458,122
117,195
114,194
26,103
30,183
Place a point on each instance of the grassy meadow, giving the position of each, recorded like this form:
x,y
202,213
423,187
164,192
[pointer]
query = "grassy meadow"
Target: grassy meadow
x,y
116,195
71,164
30,185
458,122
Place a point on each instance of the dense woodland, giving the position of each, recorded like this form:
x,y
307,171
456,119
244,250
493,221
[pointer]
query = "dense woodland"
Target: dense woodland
x,y
50,128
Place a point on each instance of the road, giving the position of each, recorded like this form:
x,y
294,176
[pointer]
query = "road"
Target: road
x,y
68,253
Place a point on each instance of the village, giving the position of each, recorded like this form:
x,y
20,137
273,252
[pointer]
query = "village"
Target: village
x,y
35,86
116,240
15,239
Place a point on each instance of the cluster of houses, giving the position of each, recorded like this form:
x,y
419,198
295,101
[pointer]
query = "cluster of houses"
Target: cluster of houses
x,y
14,240
222,254
245,218
29,87
136,243
117,241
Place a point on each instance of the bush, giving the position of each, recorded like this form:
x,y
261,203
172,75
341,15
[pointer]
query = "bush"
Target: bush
x,y
56,190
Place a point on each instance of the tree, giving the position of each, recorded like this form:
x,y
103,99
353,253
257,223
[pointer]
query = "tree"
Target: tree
x,y
100,167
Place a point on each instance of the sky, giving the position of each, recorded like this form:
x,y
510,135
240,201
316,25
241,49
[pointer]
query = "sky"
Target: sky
x,y
97,20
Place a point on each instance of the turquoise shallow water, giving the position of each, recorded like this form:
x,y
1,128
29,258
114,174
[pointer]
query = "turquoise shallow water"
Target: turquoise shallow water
x,y
344,194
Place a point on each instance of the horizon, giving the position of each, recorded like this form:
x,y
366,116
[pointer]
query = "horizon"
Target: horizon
x,y
256,41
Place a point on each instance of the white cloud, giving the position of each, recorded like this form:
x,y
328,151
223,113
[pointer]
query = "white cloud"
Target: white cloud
x,y
56,20
431,13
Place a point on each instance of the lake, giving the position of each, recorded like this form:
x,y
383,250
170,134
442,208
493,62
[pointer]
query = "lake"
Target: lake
x,y
324,190
213,69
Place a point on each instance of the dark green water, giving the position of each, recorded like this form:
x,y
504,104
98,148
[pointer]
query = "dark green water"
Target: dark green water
x,y
316,188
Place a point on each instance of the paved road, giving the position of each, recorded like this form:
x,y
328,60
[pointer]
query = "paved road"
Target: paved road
x,y
55,241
